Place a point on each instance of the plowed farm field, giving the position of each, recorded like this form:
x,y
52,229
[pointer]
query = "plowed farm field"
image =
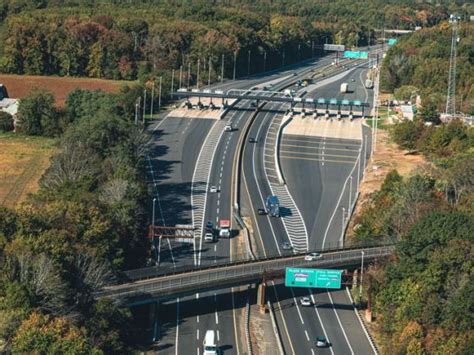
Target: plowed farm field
x,y
19,86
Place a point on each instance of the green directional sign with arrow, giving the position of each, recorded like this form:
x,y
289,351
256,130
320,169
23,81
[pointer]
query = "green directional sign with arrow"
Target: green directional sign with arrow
x,y
313,278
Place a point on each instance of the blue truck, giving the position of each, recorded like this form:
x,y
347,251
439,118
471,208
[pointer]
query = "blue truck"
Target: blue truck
x,y
273,206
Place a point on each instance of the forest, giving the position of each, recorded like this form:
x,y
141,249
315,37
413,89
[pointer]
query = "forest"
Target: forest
x,y
105,39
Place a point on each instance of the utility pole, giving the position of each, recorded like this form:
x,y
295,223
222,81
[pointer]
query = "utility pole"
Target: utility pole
x,y
222,69
235,62
159,97
137,107
451,97
153,229
343,222
180,76
151,103
349,210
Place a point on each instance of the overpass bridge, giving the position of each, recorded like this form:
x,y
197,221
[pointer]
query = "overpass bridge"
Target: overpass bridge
x,y
183,283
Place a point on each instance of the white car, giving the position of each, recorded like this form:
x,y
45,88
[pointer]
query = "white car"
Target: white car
x,y
213,189
306,302
312,256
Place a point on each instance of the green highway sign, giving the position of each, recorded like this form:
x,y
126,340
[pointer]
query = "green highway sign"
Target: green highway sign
x,y
298,277
356,54
315,278
392,41
328,278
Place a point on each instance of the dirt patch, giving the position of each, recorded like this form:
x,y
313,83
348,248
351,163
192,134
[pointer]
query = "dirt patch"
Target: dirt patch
x,y
18,86
22,162
388,156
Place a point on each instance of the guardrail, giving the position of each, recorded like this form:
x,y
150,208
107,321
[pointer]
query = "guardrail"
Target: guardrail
x,y
232,275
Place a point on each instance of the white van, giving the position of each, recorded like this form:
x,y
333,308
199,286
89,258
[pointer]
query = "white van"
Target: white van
x,y
210,347
209,237
228,128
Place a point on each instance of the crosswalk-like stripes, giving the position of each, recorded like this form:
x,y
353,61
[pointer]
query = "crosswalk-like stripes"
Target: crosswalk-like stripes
x,y
292,221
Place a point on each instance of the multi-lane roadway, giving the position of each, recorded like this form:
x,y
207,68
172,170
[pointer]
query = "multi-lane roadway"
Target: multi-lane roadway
x,y
190,155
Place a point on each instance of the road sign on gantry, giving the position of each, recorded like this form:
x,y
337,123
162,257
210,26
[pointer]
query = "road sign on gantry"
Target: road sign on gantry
x,y
334,47
328,278
356,54
314,278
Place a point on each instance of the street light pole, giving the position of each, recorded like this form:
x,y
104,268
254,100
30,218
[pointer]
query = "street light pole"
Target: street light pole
x,y
343,222
349,210
153,227
144,104
235,62
361,275
264,61
209,73
248,63
159,97
151,104
180,76
137,105
189,73
299,51
283,58
172,83
197,79
222,69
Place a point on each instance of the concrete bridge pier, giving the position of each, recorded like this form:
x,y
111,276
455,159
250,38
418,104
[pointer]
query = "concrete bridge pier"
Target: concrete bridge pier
x,y
262,287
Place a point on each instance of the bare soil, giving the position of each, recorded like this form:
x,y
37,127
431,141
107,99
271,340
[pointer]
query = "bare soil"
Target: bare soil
x,y
19,86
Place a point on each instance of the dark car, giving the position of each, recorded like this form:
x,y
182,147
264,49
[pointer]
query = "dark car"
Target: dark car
x,y
252,140
209,225
286,246
261,211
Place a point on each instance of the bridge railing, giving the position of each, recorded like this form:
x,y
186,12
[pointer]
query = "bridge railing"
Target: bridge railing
x,y
224,276
156,271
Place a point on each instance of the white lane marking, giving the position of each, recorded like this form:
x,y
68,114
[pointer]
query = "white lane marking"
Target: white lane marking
x,y
307,336
197,351
197,334
197,318
320,320
218,202
218,335
297,307
340,324
217,210
361,323
217,318
215,247
177,325
312,351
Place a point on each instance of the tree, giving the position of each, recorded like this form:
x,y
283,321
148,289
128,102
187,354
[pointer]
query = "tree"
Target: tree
x,y
42,334
429,113
6,122
37,114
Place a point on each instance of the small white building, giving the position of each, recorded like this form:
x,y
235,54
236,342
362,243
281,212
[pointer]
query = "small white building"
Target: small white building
x,y
408,111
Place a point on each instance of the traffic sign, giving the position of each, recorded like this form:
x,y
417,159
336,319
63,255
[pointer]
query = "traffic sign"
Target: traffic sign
x,y
356,54
328,278
321,101
315,278
357,103
334,47
392,41
333,102
345,102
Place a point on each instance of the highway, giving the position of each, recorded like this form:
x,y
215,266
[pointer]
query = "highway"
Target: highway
x,y
315,187
178,170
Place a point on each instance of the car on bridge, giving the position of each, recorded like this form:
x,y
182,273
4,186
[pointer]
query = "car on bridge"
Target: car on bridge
x,y
286,246
252,140
321,342
312,256
261,211
213,189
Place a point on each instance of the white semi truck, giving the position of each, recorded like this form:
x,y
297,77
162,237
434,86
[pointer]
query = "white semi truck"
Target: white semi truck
x,y
344,88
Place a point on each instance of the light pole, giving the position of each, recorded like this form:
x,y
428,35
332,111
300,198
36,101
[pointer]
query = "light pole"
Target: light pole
x,y
312,49
349,210
235,62
151,103
264,61
283,58
189,73
365,156
299,51
358,168
343,222
197,79
209,73
248,63
361,275
153,226
222,69
159,96
144,104
172,82
180,76
137,104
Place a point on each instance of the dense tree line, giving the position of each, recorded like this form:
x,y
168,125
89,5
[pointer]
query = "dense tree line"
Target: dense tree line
x,y
86,224
419,64
124,42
